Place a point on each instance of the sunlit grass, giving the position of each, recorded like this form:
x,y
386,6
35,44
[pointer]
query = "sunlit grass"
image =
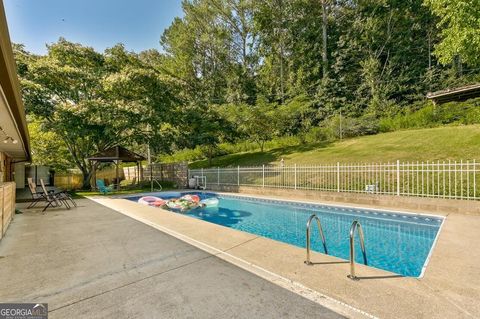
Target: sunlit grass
x,y
442,143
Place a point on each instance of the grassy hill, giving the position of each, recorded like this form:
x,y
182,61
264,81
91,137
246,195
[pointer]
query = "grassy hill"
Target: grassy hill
x,y
442,143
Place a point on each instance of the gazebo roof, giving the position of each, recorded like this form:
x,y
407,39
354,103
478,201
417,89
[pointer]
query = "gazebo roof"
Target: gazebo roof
x,y
117,153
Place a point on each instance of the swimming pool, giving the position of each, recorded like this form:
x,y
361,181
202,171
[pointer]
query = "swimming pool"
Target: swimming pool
x,y
394,241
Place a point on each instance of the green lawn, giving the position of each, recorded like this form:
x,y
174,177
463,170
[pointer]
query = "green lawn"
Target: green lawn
x,y
442,143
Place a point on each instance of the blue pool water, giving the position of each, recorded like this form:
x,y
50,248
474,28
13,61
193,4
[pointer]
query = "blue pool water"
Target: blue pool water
x,y
396,242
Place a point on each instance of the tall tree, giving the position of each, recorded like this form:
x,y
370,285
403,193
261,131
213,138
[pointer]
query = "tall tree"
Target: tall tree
x,y
459,22
93,101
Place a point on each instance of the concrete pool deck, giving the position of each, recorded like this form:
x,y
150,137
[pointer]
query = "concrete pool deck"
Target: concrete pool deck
x,y
92,262
450,287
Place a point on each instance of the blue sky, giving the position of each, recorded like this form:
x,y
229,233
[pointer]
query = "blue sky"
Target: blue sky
x,y
97,23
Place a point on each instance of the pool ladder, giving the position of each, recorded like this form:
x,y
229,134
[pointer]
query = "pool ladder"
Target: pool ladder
x,y
322,235
355,226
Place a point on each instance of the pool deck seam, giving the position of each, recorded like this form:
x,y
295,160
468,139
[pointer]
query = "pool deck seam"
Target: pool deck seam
x,y
131,283
241,244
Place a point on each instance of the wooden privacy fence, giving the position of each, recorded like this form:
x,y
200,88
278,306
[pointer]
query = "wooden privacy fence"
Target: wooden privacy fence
x,y
440,179
172,172
7,206
68,181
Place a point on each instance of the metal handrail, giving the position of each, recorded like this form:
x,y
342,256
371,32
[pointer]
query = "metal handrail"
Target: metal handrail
x,y
156,182
320,229
356,225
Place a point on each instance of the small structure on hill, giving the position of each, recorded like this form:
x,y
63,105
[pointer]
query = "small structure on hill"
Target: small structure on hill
x,y
457,94
117,155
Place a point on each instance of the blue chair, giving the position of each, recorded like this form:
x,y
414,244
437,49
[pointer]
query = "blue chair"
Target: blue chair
x,y
104,189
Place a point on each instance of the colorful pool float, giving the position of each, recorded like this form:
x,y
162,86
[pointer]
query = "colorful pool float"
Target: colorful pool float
x,y
151,201
182,203
209,202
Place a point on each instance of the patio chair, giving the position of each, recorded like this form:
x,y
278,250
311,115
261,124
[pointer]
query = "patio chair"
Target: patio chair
x,y
36,195
104,189
39,196
61,194
53,199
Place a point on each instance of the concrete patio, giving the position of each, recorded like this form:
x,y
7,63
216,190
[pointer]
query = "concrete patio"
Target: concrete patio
x,y
93,262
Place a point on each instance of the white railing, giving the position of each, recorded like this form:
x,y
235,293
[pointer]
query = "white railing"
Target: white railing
x,y
440,179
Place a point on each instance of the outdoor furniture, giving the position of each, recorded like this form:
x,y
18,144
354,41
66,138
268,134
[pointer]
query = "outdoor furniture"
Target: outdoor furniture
x,y
36,196
62,194
104,189
39,196
52,197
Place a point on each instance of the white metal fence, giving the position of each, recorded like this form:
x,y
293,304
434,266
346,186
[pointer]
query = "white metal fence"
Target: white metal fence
x,y
440,179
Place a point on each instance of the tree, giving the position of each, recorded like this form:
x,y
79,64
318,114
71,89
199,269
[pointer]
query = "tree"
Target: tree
x,y
257,122
93,101
47,148
460,31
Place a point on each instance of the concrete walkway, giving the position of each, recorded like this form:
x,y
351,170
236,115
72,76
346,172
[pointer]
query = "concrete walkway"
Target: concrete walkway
x,y
92,262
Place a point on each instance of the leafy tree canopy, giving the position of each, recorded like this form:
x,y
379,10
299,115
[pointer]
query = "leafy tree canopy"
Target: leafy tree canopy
x,y
93,101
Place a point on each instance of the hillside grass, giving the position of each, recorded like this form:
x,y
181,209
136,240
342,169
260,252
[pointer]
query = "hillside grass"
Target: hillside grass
x,y
441,143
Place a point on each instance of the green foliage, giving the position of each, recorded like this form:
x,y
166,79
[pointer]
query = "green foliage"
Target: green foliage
x,y
442,143
251,120
432,116
47,148
93,101
241,76
460,31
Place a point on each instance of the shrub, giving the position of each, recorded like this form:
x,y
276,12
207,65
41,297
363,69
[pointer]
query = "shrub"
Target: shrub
x,y
467,112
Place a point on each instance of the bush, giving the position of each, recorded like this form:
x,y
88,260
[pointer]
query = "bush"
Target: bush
x,y
319,134
467,112
344,127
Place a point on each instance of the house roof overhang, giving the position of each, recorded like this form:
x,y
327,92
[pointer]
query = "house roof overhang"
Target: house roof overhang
x,y
12,112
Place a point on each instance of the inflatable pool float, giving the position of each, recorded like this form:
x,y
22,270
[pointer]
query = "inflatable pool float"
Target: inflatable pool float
x,y
209,202
181,204
159,203
191,198
151,201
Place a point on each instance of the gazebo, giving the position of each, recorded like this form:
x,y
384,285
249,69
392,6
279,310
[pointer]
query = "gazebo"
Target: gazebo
x,y
117,155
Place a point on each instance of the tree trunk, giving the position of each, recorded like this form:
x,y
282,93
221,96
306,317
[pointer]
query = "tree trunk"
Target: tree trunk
x,y
324,39
262,146
209,154
282,49
87,175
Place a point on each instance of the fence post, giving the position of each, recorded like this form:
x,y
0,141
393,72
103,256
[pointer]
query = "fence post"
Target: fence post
x,y
474,181
263,175
238,175
338,177
398,177
295,176
218,175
